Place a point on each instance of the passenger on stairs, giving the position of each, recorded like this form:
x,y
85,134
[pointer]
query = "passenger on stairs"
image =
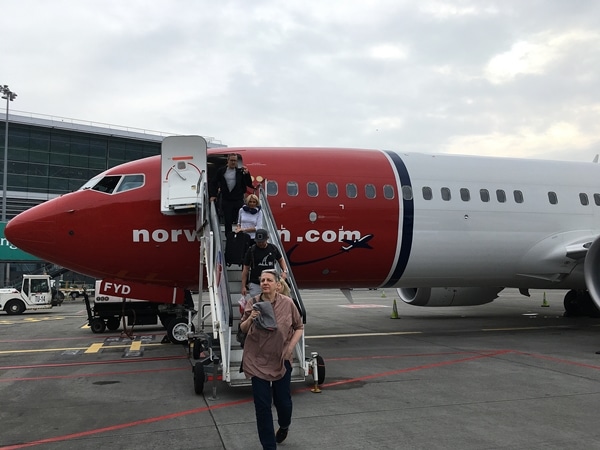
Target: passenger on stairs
x,y
259,257
250,217
229,185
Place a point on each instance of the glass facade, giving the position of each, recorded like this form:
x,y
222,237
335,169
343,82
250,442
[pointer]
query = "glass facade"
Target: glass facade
x,y
51,161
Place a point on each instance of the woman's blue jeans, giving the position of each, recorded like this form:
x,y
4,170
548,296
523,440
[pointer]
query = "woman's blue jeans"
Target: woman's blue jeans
x,y
278,393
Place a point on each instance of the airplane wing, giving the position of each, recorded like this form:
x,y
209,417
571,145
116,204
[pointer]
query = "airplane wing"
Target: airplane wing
x,y
557,256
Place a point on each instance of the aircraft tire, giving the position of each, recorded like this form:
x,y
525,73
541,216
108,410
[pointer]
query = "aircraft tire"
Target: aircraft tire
x,y
14,307
572,303
97,325
199,378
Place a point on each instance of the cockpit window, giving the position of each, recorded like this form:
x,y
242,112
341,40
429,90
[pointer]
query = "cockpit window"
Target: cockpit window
x,y
114,183
105,184
130,182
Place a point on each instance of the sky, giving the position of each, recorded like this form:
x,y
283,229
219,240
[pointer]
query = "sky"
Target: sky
x,y
512,78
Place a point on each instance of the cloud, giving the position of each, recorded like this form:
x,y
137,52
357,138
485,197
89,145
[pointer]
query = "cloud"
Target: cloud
x,y
537,55
477,76
557,138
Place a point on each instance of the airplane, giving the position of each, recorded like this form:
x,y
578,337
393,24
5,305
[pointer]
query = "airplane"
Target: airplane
x,y
444,230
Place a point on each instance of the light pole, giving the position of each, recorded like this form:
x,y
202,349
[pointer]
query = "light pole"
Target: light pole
x,y
9,96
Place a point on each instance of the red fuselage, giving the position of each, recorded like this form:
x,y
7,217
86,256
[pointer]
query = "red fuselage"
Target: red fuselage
x,y
125,236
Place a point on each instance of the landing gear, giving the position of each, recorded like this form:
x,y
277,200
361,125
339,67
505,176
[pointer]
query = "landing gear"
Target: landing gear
x,y
580,303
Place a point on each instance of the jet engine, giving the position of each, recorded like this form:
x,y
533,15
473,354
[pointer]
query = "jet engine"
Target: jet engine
x,y
463,296
591,270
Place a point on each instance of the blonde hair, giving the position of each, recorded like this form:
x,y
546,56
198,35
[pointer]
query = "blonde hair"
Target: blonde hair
x,y
252,197
285,289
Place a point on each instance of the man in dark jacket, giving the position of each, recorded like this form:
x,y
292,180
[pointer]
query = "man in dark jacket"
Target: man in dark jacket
x,y
230,183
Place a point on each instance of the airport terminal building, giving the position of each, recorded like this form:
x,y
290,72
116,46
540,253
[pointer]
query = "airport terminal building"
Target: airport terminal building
x,y
50,156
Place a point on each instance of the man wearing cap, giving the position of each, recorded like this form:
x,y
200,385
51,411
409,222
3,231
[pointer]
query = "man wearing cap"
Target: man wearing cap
x,y
261,256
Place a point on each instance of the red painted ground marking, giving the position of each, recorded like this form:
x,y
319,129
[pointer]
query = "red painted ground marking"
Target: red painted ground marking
x,y
559,360
413,369
125,425
89,375
409,355
478,355
93,363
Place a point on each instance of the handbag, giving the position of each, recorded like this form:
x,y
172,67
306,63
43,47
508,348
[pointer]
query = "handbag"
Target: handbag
x,y
240,336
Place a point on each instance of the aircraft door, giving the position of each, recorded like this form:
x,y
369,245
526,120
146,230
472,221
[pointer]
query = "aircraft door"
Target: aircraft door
x,y
183,170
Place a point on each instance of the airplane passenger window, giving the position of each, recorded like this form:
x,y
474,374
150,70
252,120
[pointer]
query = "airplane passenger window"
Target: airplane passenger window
x,y
130,182
292,188
332,190
583,198
484,194
407,193
388,191
107,184
351,190
312,189
597,199
446,195
518,196
370,191
552,198
501,195
427,193
272,187
465,195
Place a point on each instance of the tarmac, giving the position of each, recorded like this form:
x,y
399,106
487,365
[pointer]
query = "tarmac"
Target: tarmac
x,y
513,374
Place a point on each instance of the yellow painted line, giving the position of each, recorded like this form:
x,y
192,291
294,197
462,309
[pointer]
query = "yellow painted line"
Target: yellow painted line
x,y
41,319
135,346
43,350
94,348
28,320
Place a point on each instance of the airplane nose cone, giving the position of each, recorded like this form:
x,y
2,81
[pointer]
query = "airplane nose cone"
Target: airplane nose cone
x,y
33,231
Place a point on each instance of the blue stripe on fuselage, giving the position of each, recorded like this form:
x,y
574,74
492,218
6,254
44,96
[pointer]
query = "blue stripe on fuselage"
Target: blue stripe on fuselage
x,y
407,214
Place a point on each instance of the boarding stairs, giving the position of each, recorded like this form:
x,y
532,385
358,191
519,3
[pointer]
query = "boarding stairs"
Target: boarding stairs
x,y
213,336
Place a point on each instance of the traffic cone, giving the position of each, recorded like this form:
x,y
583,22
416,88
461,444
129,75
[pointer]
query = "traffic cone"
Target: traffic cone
x,y
383,294
394,311
545,303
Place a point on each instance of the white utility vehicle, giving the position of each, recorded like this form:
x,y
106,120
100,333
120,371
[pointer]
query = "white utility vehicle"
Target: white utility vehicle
x,y
36,293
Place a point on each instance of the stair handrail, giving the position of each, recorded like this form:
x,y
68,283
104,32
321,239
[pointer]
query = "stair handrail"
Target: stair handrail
x,y
271,227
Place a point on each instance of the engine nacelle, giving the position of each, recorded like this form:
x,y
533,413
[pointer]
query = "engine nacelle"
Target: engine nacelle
x,y
462,296
591,271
